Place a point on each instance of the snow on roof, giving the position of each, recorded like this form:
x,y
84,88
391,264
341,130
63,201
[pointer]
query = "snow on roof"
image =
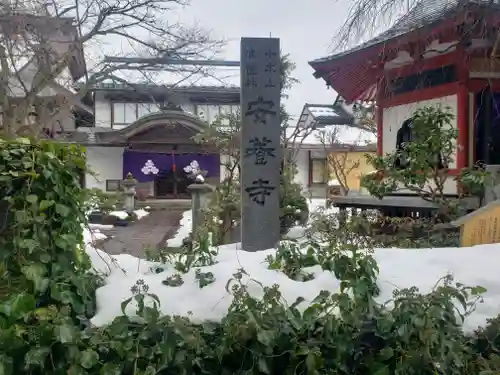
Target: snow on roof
x,y
322,111
330,135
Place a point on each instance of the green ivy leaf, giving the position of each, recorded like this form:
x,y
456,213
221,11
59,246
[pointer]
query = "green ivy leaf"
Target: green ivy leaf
x,y
263,367
36,272
45,204
65,333
477,290
27,243
76,370
62,210
110,369
382,371
18,305
311,364
89,359
265,337
45,258
36,356
32,198
6,365
386,353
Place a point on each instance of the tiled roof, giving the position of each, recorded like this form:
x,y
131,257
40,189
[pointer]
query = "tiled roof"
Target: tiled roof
x,y
150,86
424,13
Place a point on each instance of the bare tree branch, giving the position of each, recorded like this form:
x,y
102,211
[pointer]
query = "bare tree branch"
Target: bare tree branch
x,y
39,41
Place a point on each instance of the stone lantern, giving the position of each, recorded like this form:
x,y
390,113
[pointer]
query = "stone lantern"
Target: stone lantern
x,y
129,184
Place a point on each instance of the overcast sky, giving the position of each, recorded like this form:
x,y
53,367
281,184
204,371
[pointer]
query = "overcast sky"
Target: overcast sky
x,y
306,30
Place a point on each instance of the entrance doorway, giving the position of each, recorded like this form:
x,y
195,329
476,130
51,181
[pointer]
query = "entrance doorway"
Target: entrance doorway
x,y
172,185
487,137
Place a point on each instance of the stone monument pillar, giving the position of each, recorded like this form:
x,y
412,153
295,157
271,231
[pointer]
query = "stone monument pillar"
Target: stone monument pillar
x,y
199,200
129,184
261,154
492,185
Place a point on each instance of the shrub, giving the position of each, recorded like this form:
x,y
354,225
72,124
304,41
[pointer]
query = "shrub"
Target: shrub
x,y
223,214
421,165
373,230
98,200
47,291
293,206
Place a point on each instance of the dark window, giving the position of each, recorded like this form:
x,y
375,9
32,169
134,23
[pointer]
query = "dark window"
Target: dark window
x,y
113,185
426,79
404,136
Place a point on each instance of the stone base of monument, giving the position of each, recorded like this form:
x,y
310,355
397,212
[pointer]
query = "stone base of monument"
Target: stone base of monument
x,y
235,234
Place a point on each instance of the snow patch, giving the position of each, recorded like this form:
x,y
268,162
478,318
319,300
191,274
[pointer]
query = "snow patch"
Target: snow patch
x,y
185,228
399,268
100,226
122,215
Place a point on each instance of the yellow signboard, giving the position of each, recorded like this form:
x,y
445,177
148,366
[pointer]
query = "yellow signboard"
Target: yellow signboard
x,y
481,226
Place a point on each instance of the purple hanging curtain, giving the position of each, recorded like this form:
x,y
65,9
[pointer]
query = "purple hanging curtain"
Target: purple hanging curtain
x,y
207,162
146,166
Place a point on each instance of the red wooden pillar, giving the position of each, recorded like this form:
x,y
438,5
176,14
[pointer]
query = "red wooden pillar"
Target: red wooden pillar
x,y
462,110
379,115
463,127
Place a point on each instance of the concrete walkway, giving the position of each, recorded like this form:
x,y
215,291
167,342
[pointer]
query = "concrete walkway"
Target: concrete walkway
x,y
149,232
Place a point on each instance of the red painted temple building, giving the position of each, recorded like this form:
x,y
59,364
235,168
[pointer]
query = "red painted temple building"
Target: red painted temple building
x,y
436,55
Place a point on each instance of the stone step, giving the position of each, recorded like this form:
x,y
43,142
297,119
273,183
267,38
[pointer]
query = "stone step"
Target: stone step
x,y
165,204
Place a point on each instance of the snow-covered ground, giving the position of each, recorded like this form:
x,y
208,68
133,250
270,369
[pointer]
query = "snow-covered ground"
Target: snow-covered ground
x,y
122,215
399,268
185,228
93,234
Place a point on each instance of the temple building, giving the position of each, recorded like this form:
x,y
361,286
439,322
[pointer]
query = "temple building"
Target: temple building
x,y
442,53
137,129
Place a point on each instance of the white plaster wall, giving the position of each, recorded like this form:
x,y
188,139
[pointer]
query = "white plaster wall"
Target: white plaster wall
x,y
102,111
107,162
393,118
301,159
